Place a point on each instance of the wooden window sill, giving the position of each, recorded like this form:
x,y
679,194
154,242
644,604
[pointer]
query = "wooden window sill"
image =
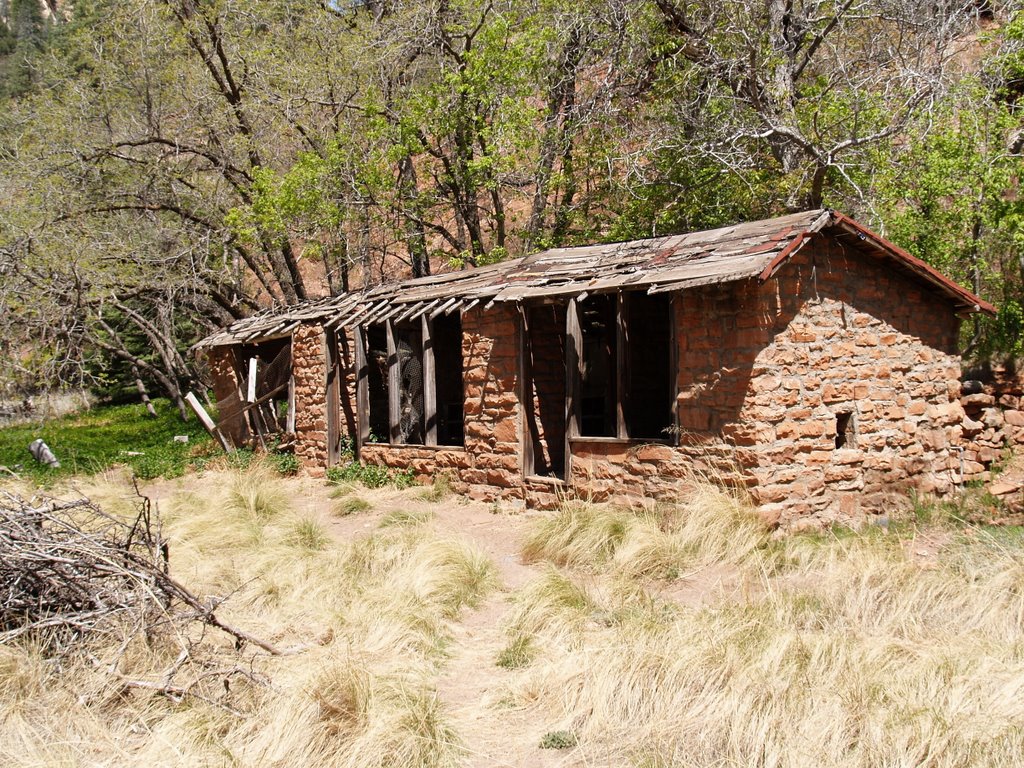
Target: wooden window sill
x,y
620,440
546,480
460,448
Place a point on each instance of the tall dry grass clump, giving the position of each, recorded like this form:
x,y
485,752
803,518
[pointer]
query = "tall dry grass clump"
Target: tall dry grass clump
x,y
709,525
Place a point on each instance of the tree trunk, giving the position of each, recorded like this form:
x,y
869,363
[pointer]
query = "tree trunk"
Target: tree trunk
x,y
415,237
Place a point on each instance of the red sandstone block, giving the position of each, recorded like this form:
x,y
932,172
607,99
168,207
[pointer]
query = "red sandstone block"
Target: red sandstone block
x,y
654,453
1014,418
842,473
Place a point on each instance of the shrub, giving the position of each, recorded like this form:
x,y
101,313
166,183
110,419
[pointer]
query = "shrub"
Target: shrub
x,y
558,740
370,475
286,464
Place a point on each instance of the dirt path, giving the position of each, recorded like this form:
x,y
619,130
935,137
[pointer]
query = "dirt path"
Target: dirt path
x,y
470,683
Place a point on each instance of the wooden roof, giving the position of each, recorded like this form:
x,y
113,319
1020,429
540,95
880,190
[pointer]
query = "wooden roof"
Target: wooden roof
x,y
751,250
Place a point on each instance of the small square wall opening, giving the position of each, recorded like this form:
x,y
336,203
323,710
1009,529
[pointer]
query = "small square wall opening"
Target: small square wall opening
x,y
845,434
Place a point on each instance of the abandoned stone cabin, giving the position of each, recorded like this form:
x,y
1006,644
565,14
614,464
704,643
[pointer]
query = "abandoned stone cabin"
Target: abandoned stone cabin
x,y
806,351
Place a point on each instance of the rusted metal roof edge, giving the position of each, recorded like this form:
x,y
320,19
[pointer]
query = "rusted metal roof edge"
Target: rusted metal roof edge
x,y
965,298
795,245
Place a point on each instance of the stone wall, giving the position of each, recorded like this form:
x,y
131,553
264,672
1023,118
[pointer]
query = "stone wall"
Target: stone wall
x,y
223,365
309,367
766,369
768,373
993,421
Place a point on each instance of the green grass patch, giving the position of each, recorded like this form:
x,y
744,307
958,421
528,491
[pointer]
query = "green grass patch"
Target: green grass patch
x,y
93,440
370,475
517,654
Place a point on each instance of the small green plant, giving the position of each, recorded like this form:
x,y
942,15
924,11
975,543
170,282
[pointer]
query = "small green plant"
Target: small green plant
x,y
403,479
558,740
374,476
351,505
517,654
286,464
370,475
336,475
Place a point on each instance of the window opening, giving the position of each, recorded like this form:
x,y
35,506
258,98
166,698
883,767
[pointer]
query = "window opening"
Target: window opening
x,y
544,360
377,382
446,342
411,382
648,375
626,384
598,379
845,435
409,351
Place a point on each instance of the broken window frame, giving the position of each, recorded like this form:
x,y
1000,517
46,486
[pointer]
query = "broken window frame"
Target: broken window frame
x,y
256,414
575,373
394,374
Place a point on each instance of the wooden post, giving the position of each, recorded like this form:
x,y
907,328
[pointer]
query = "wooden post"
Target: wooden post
x,y
529,459
207,422
674,307
429,382
362,391
621,366
332,398
573,348
289,426
251,383
394,386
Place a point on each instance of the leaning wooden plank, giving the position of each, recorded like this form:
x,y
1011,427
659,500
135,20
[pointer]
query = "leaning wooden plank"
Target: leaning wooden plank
x,y
250,395
265,398
207,422
289,426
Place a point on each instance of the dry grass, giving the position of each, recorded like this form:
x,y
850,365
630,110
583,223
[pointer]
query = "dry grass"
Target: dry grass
x,y
847,651
842,650
370,619
709,526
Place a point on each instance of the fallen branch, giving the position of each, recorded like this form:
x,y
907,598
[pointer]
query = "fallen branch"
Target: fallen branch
x,y
68,569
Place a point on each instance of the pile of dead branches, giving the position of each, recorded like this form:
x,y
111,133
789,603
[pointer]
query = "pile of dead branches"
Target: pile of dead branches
x,y
68,569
